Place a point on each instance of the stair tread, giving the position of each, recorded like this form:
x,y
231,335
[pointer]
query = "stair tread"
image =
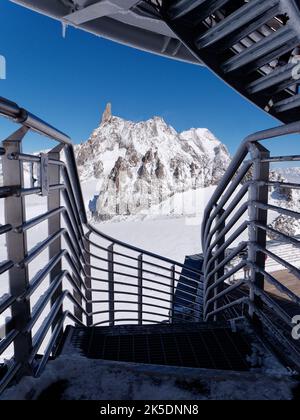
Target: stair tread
x,y
198,345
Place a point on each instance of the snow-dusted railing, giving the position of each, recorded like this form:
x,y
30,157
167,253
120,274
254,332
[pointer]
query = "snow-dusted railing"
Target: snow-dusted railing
x,y
58,269
235,229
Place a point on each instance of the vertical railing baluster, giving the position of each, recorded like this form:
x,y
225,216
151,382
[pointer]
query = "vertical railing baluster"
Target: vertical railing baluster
x,y
172,291
88,281
111,285
54,225
218,289
17,248
261,172
140,289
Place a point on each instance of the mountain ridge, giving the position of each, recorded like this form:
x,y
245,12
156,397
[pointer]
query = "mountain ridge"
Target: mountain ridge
x,y
141,164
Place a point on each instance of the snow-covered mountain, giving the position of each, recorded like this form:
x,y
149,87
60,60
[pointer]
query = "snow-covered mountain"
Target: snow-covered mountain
x,y
286,198
140,165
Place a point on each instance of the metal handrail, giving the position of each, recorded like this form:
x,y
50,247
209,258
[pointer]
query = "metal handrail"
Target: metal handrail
x,y
147,289
143,281
248,174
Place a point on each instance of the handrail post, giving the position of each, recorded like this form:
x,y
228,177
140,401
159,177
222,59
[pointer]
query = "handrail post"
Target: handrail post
x,y
220,273
172,291
88,282
111,285
261,172
54,225
17,249
140,289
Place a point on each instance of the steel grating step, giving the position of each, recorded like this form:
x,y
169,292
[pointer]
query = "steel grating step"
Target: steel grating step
x,y
182,345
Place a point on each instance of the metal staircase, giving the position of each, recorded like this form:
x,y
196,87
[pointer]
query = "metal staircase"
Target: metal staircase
x,y
252,45
76,276
81,286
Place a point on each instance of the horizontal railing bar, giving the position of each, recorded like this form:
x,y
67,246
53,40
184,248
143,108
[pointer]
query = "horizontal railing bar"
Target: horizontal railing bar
x,y
126,320
33,158
293,158
223,293
167,308
290,185
279,286
138,250
52,342
6,341
144,271
23,192
12,110
43,330
9,376
221,205
98,302
6,303
268,323
137,311
136,285
56,162
41,305
290,267
38,249
228,306
39,219
222,279
229,225
227,213
5,266
286,238
7,191
228,242
42,274
5,228
230,257
277,209
24,157
145,262
271,304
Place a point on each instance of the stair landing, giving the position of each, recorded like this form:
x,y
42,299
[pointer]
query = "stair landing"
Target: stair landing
x,y
192,345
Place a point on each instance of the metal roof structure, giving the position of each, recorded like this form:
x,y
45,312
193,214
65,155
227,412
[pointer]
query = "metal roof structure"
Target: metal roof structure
x,y
131,22
253,45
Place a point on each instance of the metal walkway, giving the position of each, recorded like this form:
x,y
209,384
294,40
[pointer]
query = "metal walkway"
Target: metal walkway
x,y
96,283
195,345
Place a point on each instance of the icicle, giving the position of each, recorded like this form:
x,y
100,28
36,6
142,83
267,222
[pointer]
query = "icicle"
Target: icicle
x,y
64,29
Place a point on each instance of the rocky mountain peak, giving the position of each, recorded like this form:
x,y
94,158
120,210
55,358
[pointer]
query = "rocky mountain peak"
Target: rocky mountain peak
x,y
107,114
144,162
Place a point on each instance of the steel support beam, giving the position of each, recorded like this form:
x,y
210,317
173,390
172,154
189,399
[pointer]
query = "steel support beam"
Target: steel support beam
x,y
258,193
100,9
17,249
54,225
220,273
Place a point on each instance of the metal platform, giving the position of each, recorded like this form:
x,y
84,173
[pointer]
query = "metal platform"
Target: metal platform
x,y
194,345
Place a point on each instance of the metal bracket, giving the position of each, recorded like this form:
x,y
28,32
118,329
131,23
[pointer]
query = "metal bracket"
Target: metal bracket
x,y
44,174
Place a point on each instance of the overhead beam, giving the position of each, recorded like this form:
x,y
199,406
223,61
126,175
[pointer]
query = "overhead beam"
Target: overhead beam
x,y
100,9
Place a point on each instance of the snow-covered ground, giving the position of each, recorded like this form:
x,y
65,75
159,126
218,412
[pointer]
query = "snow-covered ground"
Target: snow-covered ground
x,y
77,378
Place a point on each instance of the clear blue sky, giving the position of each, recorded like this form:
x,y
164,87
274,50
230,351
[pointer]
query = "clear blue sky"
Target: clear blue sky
x,y
69,81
